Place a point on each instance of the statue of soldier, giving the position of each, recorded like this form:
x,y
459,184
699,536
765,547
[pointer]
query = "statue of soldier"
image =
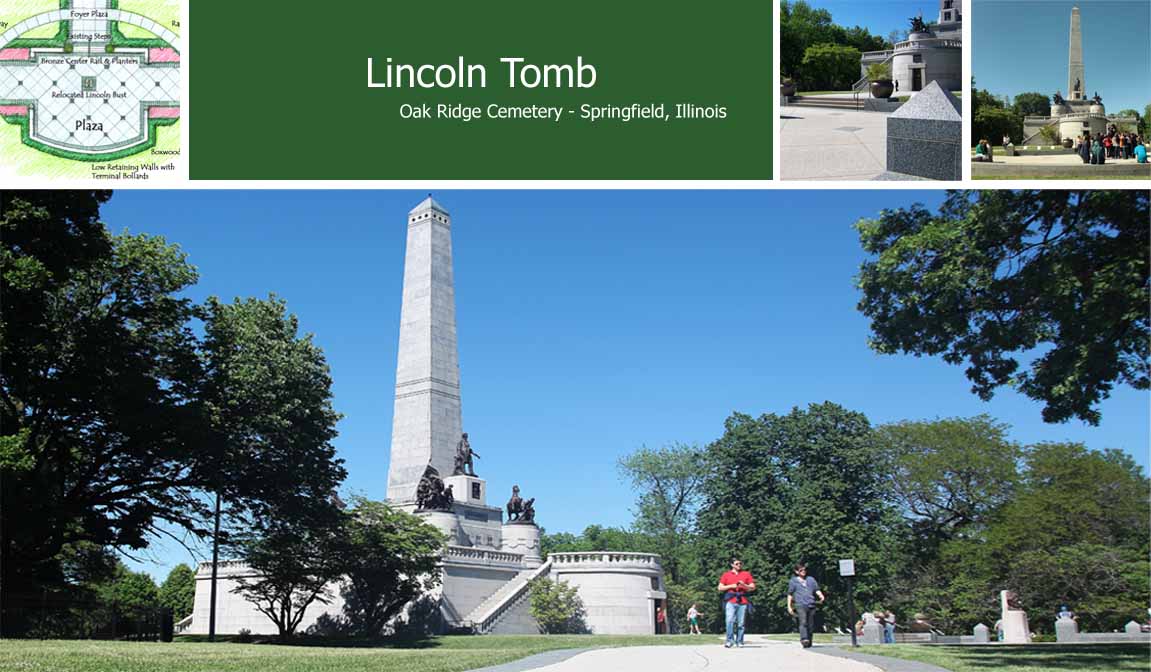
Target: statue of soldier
x,y
529,513
464,454
1058,98
449,497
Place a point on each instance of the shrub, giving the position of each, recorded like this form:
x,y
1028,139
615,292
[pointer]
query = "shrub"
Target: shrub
x,y
557,608
879,72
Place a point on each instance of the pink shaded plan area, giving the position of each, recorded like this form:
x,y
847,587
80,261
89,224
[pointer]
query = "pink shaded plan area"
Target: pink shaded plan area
x,y
163,112
163,55
15,54
13,110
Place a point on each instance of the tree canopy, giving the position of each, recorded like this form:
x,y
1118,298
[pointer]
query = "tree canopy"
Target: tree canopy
x,y
801,487
1044,291
117,421
803,27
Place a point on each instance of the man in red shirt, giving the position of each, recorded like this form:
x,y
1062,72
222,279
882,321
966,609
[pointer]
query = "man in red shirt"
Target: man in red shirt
x,y
735,585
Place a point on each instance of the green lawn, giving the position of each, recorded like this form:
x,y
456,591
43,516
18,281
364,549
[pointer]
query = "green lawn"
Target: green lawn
x,y
1029,658
820,637
441,654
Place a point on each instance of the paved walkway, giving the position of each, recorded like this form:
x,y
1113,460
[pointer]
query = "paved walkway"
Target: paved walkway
x,y
758,655
827,144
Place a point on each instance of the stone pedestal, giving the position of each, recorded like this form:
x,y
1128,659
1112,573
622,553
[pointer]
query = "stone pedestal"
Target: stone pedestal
x,y
1013,619
872,632
446,522
981,633
1066,630
523,538
468,489
1132,628
924,136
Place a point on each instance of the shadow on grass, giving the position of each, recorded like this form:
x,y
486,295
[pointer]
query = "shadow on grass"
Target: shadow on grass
x,y
336,642
1073,657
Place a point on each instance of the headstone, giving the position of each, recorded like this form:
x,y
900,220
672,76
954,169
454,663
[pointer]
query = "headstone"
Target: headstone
x,y
872,632
982,634
1015,628
1066,630
1132,628
925,135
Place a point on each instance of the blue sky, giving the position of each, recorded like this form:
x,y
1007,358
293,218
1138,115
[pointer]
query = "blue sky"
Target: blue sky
x,y
590,323
878,16
1021,46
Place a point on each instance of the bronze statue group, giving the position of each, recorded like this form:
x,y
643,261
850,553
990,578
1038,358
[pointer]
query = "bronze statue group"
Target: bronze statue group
x,y
433,494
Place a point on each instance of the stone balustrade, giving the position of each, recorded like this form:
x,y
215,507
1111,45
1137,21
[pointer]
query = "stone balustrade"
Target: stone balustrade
x,y
482,556
601,560
930,42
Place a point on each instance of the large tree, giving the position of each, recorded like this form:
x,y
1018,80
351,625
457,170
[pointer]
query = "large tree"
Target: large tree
x,y
1032,105
178,592
296,554
806,486
102,443
391,560
1045,291
116,421
268,396
949,474
669,481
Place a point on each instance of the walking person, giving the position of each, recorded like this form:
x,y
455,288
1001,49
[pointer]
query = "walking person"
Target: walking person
x,y
735,585
888,627
660,621
801,593
693,620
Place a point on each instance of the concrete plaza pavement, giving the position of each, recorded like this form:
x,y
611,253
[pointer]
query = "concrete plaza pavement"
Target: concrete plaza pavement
x,y
757,655
1057,165
830,144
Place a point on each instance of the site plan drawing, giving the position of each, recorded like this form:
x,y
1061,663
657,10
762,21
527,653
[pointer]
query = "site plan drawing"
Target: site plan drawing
x,y
90,88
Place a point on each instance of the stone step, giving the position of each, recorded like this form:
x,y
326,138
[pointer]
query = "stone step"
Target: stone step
x,y
847,103
498,596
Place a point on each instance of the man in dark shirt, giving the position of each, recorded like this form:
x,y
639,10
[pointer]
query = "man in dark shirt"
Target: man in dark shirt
x,y
801,593
735,585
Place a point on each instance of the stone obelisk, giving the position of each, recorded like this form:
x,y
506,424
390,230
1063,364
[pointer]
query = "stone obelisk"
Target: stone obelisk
x,y
1075,60
426,424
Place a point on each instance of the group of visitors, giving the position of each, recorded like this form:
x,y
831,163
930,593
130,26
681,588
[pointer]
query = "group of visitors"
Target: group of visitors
x,y
884,618
1093,149
1096,149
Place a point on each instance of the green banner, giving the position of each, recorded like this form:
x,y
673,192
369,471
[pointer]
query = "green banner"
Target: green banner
x,y
511,89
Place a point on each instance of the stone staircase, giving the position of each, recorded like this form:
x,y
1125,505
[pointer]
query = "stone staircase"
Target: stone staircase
x,y
826,101
488,613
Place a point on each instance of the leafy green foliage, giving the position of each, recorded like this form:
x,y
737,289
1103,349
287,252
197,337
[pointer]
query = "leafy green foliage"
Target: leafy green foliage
x,y
668,480
269,403
97,391
802,26
803,487
830,66
295,556
992,123
597,538
390,560
128,590
116,419
1032,105
178,592
949,474
879,72
1059,278
557,607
